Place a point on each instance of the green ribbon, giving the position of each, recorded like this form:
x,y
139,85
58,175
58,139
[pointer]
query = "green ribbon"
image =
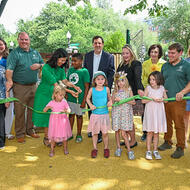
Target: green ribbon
x,y
2,101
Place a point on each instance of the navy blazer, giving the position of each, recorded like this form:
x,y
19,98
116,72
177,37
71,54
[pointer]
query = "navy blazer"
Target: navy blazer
x,y
106,65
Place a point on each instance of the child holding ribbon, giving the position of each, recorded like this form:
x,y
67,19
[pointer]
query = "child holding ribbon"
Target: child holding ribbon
x,y
122,115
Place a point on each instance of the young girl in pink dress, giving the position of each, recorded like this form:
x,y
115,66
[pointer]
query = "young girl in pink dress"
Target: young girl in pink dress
x,y
154,121
99,119
59,127
122,115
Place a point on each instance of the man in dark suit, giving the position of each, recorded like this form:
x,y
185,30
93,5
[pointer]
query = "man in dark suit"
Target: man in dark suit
x,y
99,60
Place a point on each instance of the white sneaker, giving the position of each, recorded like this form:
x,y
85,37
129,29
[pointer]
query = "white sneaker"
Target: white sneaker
x,y
148,155
157,155
2,147
131,155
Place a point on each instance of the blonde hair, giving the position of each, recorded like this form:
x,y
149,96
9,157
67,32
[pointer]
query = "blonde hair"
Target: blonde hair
x,y
118,77
94,84
58,89
133,56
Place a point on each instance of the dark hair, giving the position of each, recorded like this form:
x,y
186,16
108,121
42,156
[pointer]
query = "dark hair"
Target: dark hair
x,y
78,56
176,46
59,53
6,51
154,46
96,37
158,77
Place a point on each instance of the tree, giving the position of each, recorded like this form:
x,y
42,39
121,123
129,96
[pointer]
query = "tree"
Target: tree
x,y
176,26
157,9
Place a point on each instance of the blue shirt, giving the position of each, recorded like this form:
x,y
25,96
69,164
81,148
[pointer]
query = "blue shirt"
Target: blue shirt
x,y
100,98
3,62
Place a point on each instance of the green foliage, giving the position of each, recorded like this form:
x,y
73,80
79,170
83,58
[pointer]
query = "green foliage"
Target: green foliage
x,y
176,26
114,42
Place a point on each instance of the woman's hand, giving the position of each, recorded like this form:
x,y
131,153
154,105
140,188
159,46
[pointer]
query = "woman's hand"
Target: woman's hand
x,y
140,92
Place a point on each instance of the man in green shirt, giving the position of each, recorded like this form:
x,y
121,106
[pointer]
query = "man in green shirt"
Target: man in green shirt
x,y
176,74
23,64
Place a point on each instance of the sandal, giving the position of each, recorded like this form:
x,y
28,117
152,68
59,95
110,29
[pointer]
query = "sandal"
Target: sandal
x,y
66,152
51,153
46,142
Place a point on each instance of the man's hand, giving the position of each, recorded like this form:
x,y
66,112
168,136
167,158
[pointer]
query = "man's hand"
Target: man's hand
x,y
35,66
179,96
9,85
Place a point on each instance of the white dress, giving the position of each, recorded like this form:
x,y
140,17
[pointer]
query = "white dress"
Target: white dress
x,y
154,115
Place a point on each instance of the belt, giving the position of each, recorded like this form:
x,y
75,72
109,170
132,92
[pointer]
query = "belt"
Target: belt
x,y
31,84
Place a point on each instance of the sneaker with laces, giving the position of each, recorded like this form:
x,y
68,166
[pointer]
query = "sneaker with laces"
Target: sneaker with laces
x,y
118,152
131,155
94,153
165,146
157,155
178,153
106,153
148,155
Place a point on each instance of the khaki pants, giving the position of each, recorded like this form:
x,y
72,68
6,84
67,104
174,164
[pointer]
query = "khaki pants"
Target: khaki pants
x,y
174,113
25,93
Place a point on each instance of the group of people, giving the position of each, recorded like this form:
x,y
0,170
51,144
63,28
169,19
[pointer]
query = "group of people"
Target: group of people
x,y
60,94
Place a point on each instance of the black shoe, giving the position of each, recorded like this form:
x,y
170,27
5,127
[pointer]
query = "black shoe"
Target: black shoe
x,y
143,138
165,146
99,140
135,144
122,143
178,153
90,134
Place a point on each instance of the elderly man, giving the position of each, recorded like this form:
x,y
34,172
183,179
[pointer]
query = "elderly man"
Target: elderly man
x,y
177,83
99,60
23,64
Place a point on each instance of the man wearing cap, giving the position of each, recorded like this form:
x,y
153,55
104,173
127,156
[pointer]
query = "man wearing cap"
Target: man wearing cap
x,y
99,60
23,64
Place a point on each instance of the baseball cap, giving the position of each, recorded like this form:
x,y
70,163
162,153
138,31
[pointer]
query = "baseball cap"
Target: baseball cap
x,y
97,73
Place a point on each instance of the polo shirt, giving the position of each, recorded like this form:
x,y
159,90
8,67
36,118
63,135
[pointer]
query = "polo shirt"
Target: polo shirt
x,y
20,61
176,77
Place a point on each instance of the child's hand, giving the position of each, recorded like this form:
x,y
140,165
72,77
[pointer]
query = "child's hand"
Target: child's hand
x,y
7,104
117,99
92,107
75,94
109,104
158,99
78,89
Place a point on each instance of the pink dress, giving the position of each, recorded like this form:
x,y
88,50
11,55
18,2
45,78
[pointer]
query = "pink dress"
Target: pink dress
x,y
59,127
154,115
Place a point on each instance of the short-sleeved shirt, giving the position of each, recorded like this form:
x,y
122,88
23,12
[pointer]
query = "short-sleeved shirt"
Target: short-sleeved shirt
x,y
20,61
78,77
176,77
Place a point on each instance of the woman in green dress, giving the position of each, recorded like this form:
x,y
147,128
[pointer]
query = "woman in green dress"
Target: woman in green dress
x,y
52,73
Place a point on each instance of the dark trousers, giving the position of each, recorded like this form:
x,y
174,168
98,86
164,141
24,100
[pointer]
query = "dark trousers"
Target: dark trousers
x,y
25,93
2,125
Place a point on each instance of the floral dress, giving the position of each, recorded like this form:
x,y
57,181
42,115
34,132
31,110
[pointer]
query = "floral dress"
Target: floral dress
x,y
122,115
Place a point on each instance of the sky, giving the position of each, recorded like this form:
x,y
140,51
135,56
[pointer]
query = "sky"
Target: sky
x,y
27,9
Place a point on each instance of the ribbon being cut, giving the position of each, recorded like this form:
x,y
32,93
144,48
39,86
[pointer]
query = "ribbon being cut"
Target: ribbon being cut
x,y
2,101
